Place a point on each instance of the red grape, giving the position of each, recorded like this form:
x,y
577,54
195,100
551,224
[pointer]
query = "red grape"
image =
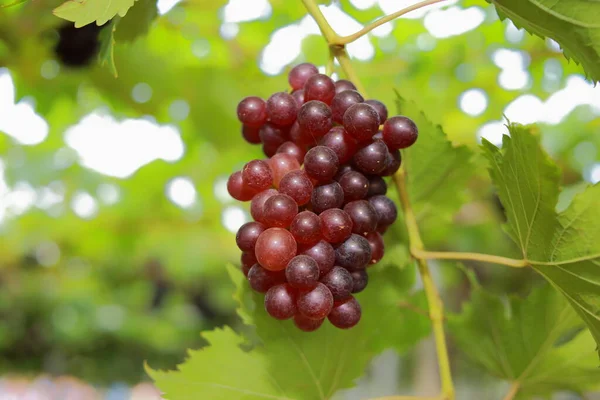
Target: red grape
x,y
394,162
319,87
355,186
252,111
361,121
323,253
336,225
352,254
343,84
272,137
343,145
376,186
251,134
292,149
257,205
361,279
315,303
342,101
380,108
279,211
248,259
327,196
238,189
386,210
314,118
339,282
274,248
306,324
280,301
261,279
400,132
377,246
297,185
373,158
300,74
321,163
248,234
298,95
302,272
345,315
306,227
363,215
282,109
257,174
281,164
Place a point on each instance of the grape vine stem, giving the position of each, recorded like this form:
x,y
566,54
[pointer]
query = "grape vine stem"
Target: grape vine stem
x,y
450,255
435,305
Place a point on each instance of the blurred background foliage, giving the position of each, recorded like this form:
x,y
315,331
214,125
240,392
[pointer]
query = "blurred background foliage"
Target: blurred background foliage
x,y
115,223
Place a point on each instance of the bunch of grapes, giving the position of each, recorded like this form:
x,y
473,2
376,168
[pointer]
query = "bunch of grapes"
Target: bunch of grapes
x,y
318,201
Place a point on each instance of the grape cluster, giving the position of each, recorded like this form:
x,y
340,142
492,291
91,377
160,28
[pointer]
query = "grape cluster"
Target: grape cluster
x,y
318,201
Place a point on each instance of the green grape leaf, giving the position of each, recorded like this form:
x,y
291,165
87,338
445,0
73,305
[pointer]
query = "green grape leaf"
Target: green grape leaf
x,y
562,247
83,12
286,363
137,21
437,171
525,342
106,55
574,24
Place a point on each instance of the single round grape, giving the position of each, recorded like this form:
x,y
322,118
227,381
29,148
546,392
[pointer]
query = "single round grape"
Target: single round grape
x,y
361,121
386,210
257,205
345,315
353,254
306,227
275,248
339,282
341,143
336,225
314,118
394,162
343,84
292,149
342,101
319,87
300,74
282,109
262,280
238,189
302,272
372,159
327,196
377,246
297,185
280,301
360,279
342,171
248,234
298,95
251,134
279,211
252,111
400,132
248,259
315,303
376,186
363,215
272,137
306,324
257,174
302,138
321,163
323,253
281,164
355,186
380,108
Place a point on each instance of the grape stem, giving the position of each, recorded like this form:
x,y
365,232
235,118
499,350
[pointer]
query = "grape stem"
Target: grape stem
x,y
436,307
514,389
450,255
342,40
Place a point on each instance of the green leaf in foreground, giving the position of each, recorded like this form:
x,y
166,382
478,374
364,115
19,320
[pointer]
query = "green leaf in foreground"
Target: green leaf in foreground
x,y
83,12
290,364
522,341
562,247
574,24
106,55
437,171
137,21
